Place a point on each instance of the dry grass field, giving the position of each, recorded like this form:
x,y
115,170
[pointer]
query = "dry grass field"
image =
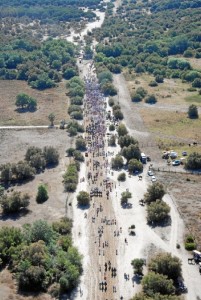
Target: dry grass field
x,y
50,100
186,191
171,124
171,92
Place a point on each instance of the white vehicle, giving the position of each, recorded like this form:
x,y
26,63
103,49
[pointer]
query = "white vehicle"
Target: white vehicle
x,y
150,173
153,178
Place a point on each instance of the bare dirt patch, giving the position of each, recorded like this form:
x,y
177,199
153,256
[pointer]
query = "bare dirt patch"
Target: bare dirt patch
x,y
14,144
186,190
49,101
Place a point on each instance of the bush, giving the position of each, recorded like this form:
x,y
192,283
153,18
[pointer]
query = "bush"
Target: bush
x,y
83,198
135,165
193,161
80,144
157,283
136,97
130,152
193,112
166,264
151,99
122,130
190,246
51,155
118,114
121,177
126,140
71,178
154,192
117,162
111,127
153,83
112,140
159,79
70,152
78,155
124,197
42,194
111,101
14,203
63,226
157,211
138,266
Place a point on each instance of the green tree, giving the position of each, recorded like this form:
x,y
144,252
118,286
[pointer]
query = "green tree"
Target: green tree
x,y
154,192
111,127
126,140
193,161
122,130
42,194
132,151
136,97
135,165
14,203
157,283
157,211
112,140
196,83
138,264
83,198
121,177
32,104
51,155
124,197
117,162
193,112
166,264
151,99
10,239
51,118
80,144
22,100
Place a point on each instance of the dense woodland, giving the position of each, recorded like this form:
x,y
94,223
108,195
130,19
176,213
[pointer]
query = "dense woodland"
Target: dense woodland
x,y
154,37
48,11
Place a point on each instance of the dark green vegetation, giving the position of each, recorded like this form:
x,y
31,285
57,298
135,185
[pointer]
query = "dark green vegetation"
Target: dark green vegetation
x,y
25,101
48,11
71,177
14,202
36,160
42,194
160,282
41,256
193,161
157,209
155,36
42,65
83,198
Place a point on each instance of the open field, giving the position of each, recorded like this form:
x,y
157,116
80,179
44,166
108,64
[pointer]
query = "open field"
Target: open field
x,y
171,92
51,100
13,148
186,191
171,124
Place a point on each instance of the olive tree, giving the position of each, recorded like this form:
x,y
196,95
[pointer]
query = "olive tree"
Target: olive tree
x,y
83,198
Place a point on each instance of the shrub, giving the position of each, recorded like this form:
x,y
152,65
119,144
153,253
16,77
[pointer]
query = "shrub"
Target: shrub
x,y
157,283
124,197
126,140
71,178
118,114
151,99
157,211
78,155
154,192
14,203
42,194
122,130
111,101
121,177
135,165
117,162
136,97
83,198
193,112
138,266
190,246
153,83
159,79
111,127
193,161
80,144
51,155
112,140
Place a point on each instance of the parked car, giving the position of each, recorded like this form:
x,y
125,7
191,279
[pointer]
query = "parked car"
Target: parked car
x,y
150,173
153,178
173,154
184,153
176,162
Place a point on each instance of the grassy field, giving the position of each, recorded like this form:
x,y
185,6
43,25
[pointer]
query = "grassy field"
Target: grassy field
x,y
171,92
171,124
51,100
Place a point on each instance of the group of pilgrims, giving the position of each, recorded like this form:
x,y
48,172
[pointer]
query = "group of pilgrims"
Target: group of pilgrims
x,y
100,185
